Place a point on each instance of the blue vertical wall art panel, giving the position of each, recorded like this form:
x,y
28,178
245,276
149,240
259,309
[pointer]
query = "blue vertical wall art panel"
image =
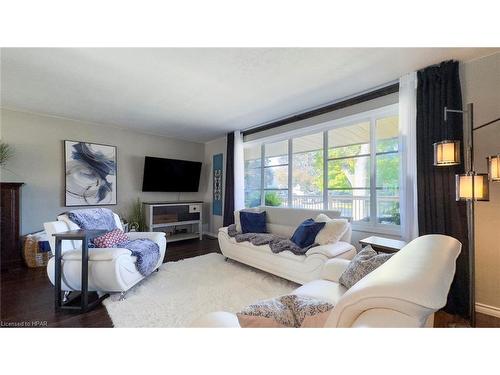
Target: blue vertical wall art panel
x,y
217,188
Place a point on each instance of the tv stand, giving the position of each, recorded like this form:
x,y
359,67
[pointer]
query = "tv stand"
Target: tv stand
x,y
167,216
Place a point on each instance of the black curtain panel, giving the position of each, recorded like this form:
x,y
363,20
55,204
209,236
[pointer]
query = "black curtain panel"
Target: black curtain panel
x,y
229,189
438,211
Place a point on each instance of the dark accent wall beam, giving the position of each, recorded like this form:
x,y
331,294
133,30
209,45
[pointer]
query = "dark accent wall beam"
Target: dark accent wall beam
x,y
387,90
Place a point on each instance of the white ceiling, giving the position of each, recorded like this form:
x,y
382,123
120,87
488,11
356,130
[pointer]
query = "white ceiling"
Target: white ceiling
x,y
199,94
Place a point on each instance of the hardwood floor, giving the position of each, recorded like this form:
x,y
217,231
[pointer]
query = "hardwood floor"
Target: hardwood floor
x,y
27,296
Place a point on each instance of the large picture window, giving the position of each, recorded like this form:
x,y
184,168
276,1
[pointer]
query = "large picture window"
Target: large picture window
x,y
351,165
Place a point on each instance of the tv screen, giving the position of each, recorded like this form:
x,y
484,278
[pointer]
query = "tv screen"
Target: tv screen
x,y
170,175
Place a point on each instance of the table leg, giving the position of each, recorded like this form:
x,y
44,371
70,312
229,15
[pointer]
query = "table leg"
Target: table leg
x,y
85,275
58,275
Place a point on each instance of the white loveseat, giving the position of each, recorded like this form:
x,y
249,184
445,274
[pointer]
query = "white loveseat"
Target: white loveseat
x,y
297,268
110,270
403,292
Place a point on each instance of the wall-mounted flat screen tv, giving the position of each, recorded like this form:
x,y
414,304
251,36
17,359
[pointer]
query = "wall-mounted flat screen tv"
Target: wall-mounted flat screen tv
x,y
170,175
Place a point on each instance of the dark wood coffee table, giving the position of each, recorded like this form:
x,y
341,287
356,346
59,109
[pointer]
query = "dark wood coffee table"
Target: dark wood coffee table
x,y
79,302
383,245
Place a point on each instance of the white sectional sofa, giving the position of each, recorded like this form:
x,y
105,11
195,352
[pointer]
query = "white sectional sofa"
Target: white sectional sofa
x,y
110,270
297,268
403,292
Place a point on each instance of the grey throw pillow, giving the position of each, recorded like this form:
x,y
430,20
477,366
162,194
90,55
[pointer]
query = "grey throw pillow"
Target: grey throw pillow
x,y
361,265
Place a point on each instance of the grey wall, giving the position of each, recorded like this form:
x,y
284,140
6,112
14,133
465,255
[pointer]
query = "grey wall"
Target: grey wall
x,y
481,86
38,162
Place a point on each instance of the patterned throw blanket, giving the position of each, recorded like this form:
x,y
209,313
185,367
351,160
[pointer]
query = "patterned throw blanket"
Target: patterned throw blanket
x,y
275,242
93,218
146,251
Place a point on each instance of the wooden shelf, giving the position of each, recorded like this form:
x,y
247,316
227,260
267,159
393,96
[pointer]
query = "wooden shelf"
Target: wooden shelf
x,y
188,213
182,236
161,225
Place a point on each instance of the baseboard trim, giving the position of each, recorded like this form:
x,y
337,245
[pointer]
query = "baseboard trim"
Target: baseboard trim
x,y
487,309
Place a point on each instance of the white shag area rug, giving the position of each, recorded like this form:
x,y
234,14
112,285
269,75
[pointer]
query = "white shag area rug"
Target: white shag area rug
x,y
188,289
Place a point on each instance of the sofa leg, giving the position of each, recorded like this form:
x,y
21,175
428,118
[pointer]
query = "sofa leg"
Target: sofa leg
x,y
226,259
66,295
122,296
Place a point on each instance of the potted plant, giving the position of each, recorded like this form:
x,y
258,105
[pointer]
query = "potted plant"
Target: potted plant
x,y
6,153
136,219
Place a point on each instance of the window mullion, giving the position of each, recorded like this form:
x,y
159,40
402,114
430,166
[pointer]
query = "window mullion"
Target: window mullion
x,y
373,172
325,170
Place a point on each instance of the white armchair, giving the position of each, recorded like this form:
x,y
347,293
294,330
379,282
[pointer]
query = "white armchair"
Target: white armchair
x,y
110,270
405,291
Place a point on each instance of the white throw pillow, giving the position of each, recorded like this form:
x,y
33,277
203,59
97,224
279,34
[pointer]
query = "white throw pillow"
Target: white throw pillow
x,y
333,230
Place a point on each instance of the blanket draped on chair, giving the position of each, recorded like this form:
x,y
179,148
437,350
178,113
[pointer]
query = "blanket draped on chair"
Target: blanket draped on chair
x,y
146,251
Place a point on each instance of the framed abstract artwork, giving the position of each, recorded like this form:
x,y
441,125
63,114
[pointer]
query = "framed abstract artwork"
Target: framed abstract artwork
x,y
217,185
90,174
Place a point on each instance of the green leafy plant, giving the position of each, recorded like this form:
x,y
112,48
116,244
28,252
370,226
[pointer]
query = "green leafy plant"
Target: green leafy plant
x,y
136,217
273,199
6,152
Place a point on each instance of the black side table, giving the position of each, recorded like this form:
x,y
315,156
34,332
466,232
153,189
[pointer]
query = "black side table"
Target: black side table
x,y
79,302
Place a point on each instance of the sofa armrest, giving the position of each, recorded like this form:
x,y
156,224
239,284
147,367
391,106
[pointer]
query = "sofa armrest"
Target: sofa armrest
x,y
333,268
153,236
223,230
332,250
97,254
385,318
219,319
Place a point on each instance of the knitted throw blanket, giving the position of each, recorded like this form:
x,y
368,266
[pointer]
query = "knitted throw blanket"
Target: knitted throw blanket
x,y
275,242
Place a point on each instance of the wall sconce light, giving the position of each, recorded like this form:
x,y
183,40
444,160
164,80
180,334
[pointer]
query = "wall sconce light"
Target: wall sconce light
x,y
494,167
472,186
446,153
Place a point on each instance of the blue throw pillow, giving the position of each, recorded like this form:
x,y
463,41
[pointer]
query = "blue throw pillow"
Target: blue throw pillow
x,y
253,222
306,233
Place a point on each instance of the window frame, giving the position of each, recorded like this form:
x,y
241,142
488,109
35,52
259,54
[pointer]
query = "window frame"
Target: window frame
x,y
371,116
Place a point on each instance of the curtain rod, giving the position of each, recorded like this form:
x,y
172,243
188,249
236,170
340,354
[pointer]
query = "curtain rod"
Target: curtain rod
x,y
383,91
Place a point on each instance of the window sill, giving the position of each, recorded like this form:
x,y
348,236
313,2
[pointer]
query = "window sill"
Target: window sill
x,y
377,229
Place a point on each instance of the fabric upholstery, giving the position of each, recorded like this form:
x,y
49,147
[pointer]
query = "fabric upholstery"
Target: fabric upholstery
x,y
361,265
292,311
93,218
438,211
333,230
110,239
306,232
253,222
229,193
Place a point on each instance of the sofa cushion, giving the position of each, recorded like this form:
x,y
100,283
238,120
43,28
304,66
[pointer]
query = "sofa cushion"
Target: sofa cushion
x,y
286,311
253,222
306,232
361,265
333,230
332,250
324,290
